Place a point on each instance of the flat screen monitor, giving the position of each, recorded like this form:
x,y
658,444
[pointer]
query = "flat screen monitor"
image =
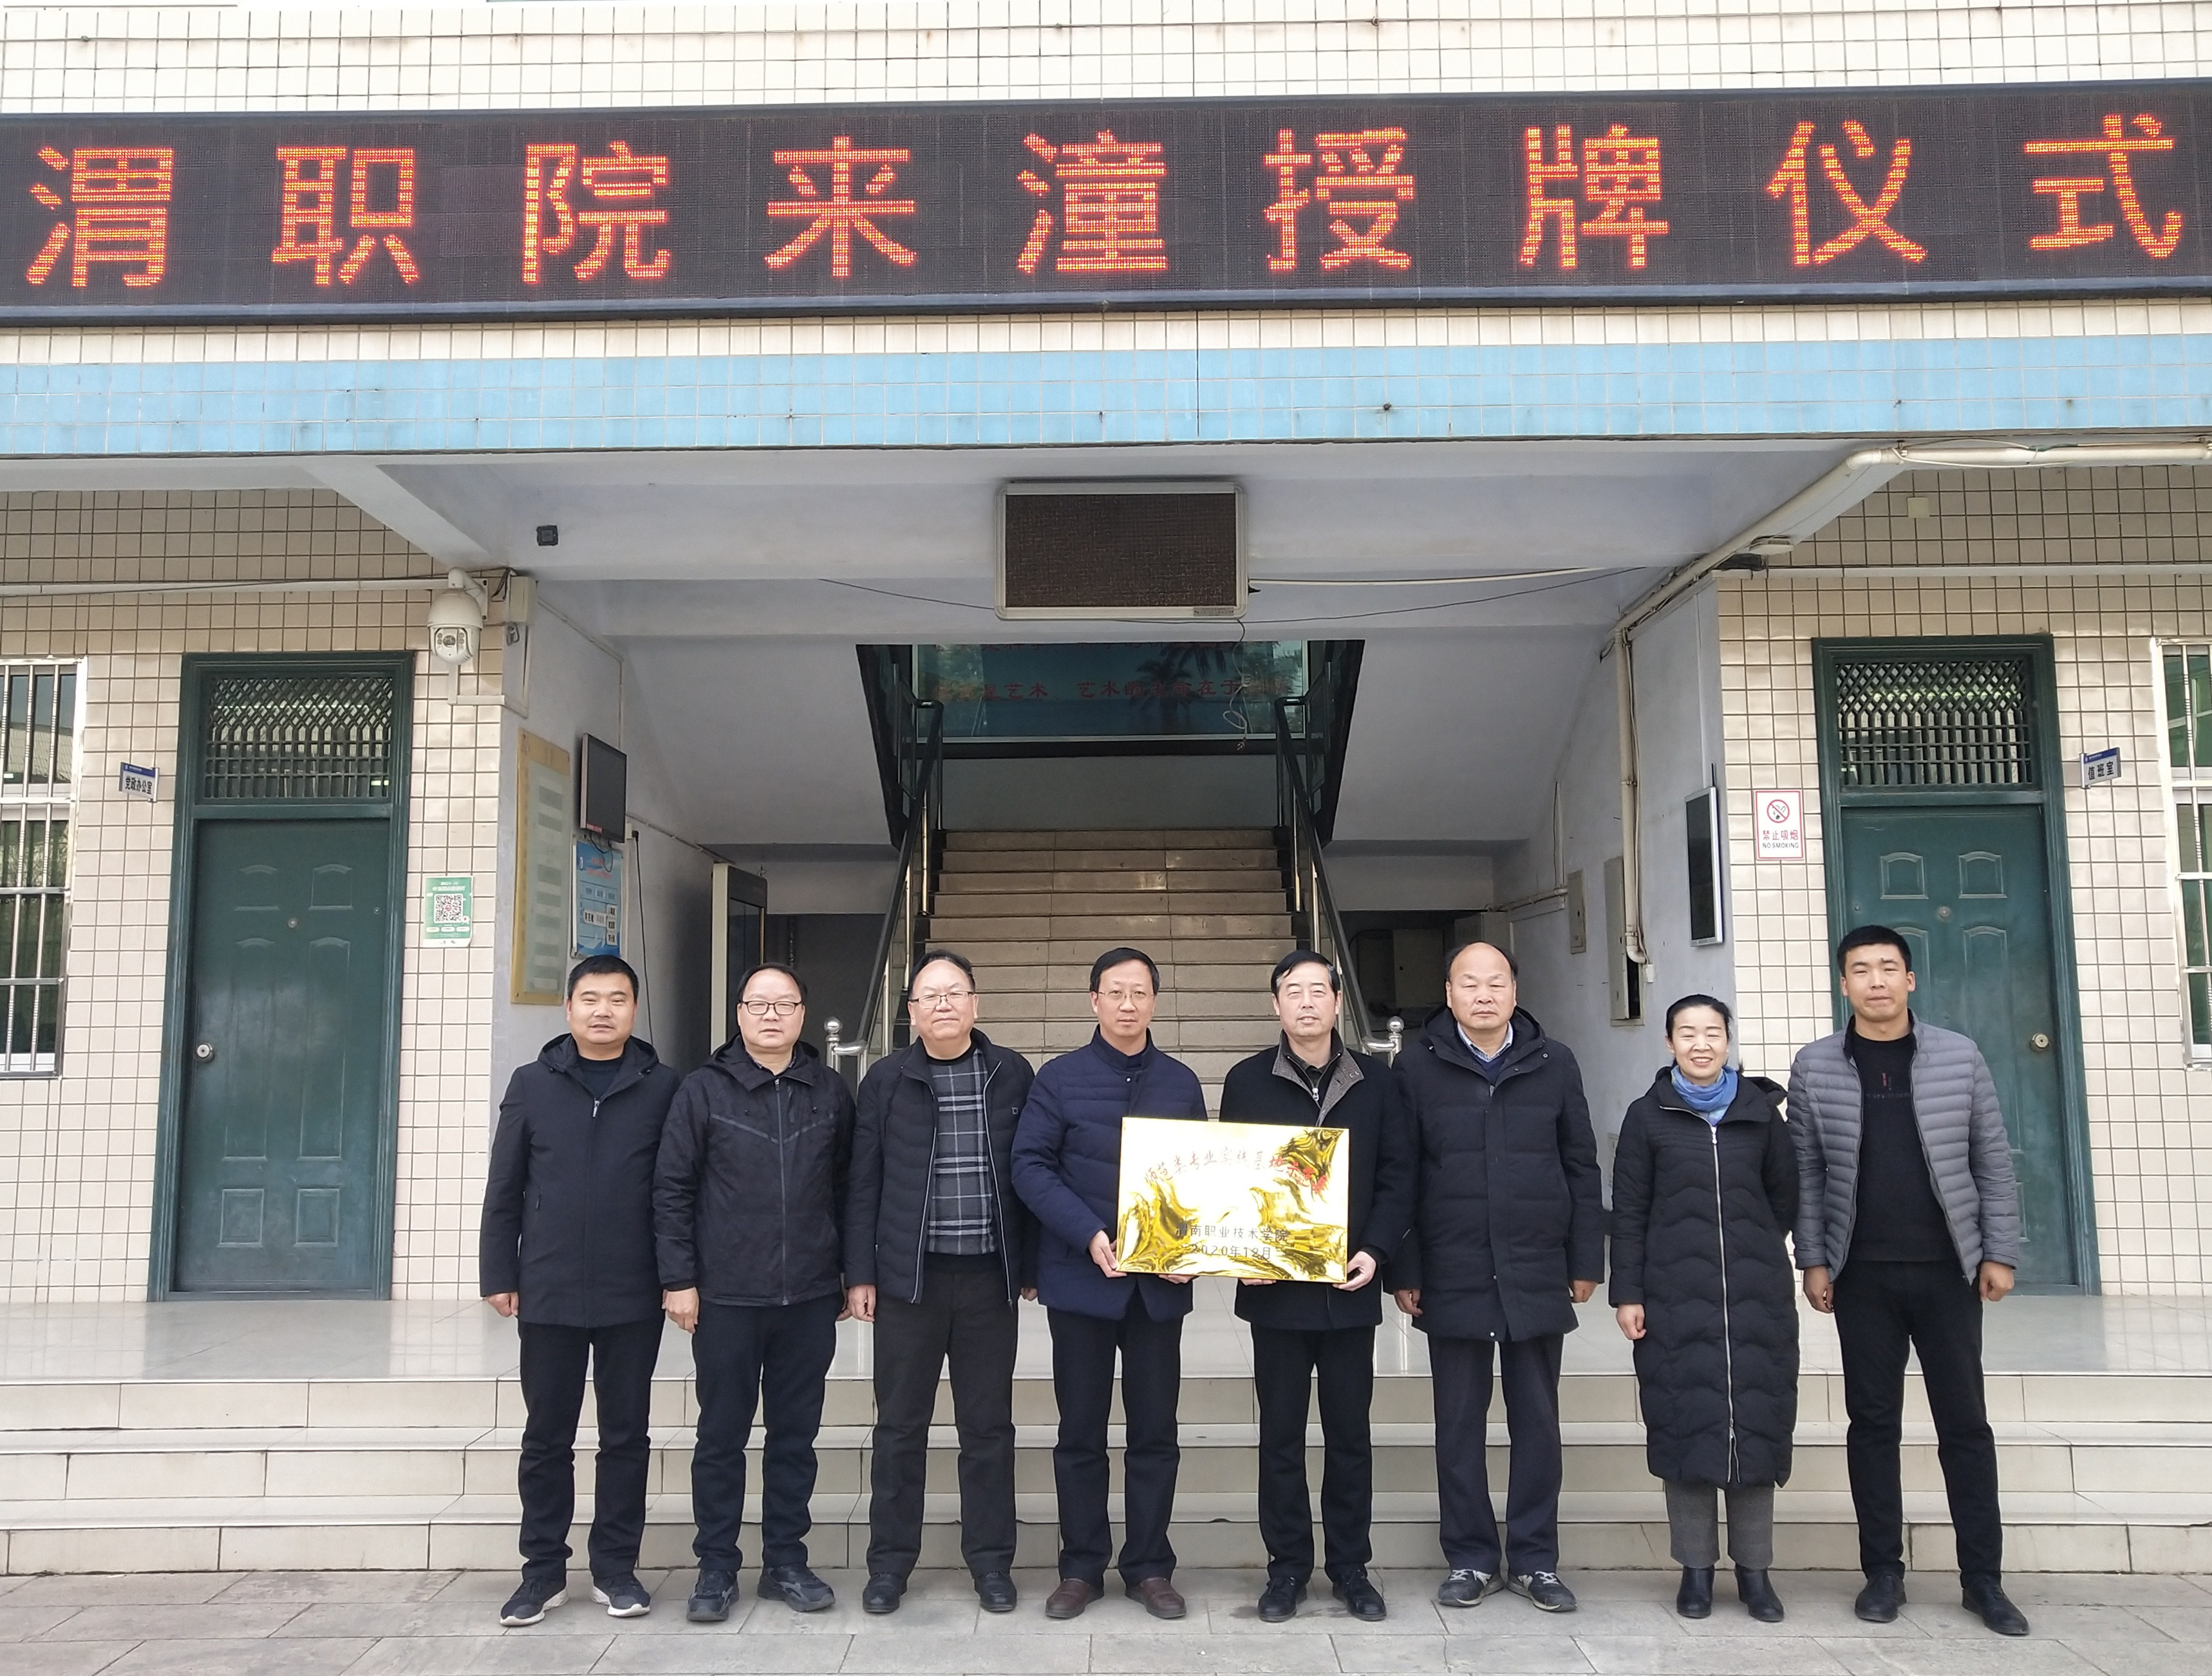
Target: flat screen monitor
x,y
601,791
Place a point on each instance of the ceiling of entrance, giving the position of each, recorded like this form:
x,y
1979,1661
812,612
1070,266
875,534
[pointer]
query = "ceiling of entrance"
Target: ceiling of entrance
x,y
1469,685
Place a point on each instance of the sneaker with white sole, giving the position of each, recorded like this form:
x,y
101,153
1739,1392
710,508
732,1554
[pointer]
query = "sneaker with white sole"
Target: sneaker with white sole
x,y
622,1597
530,1602
1466,1587
1543,1590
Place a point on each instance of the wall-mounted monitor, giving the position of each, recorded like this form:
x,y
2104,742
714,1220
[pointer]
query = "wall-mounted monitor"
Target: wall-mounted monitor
x,y
601,791
1701,825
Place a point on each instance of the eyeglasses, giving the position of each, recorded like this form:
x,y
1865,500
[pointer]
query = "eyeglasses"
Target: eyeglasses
x,y
762,1009
929,1000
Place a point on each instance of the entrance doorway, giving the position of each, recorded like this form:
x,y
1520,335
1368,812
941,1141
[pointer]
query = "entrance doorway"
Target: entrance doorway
x,y
279,1100
1939,770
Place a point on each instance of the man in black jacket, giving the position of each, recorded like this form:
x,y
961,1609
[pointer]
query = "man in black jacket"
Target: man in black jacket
x,y
566,1246
747,1204
1509,1236
938,1252
1302,1329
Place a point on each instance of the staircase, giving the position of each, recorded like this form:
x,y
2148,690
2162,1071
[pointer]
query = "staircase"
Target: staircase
x,y
1034,910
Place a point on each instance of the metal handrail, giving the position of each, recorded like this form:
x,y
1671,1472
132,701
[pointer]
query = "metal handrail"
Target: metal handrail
x,y
1312,902
913,897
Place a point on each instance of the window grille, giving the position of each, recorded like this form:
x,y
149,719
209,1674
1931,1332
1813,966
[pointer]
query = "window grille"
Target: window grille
x,y
285,737
38,792
1933,722
2187,679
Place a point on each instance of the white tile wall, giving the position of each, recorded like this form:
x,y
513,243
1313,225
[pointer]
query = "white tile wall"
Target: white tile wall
x,y
76,1150
2150,1115
55,58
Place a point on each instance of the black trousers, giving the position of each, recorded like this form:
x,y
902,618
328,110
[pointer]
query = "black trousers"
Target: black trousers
x,y
963,1318
1881,1309
621,1360
1083,1353
1460,1373
1283,1367
776,1357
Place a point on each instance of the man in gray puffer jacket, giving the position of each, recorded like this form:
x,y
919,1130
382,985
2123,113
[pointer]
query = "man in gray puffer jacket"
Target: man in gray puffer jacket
x,y
1908,1220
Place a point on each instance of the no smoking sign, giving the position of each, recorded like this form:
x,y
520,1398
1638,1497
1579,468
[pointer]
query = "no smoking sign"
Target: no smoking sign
x,y
1781,825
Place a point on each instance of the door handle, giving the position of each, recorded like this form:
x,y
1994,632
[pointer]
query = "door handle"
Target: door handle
x,y
204,1052
2040,1042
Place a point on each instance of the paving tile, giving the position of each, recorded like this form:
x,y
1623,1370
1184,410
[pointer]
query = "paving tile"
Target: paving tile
x,y
2144,1658
308,1588
191,1621
1509,1615
1292,1655
21,1623
514,1653
1687,1655
1996,1656
2050,1620
2191,1623
1007,1654
239,1658
145,1589
714,1650
65,1658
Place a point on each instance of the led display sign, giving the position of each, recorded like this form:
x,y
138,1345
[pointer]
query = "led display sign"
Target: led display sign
x,y
1725,196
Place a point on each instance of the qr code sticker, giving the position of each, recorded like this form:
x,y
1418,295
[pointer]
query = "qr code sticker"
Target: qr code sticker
x,y
447,908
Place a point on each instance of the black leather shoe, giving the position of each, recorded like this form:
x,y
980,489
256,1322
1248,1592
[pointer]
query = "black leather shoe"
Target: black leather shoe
x,y
881,1594
996,1590
1358,1593
1987,1601
796,1587
1694,1598
1279,1600
711,1596
1879,1601
1756,1590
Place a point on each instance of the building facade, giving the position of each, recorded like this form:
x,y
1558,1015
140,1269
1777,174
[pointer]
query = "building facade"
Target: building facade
x,y
201,499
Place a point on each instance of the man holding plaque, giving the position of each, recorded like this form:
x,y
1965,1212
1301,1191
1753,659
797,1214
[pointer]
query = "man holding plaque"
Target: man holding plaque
x,y
1306,1328
1067,1159
1509,1236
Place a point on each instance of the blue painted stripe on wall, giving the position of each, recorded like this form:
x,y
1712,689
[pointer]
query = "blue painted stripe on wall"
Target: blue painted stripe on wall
x,y
1848,388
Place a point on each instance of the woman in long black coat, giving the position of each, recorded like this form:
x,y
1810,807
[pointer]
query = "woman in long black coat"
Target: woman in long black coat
x,y
1704,1185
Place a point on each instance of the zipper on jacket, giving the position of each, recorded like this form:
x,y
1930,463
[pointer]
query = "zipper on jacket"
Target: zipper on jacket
x,y
991,1174
1728,1331
783,1179
929,1191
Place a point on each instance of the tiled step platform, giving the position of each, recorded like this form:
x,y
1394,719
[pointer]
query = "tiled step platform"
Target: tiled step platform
x,y
337,1436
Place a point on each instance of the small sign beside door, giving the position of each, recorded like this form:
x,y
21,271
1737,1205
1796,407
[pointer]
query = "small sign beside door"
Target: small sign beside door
x,y
2100,765
134,782
448,910
1781,816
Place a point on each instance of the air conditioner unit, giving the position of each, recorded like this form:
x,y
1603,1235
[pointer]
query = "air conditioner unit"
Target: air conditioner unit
x,y
1148,550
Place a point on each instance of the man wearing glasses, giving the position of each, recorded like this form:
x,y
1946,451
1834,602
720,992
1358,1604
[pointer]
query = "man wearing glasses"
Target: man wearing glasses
x,y
938,1252
747,1201
1067,1163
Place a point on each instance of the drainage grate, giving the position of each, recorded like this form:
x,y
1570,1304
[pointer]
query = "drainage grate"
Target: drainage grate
x,y
286,737
1935,721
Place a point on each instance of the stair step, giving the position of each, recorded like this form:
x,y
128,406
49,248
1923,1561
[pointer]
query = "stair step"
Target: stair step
x,y
973,885
1226,838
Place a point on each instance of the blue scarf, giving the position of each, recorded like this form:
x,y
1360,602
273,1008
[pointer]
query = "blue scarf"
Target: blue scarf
x,y
1711,1102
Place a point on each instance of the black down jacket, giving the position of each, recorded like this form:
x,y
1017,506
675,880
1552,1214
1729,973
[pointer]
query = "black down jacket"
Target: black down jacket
x,y
1510,1207
749,1196
568,1206
1699,1210
895,1162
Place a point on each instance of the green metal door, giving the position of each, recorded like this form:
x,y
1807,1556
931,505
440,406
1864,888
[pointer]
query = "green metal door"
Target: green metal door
x,y
1968,889
284,1073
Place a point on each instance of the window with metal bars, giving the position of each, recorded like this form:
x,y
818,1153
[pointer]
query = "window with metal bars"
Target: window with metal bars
x,y
2187,672
292,736
38,795
1921,722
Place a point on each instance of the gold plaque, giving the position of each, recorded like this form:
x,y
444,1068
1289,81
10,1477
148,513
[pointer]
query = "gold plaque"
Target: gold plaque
x,y
1258,1202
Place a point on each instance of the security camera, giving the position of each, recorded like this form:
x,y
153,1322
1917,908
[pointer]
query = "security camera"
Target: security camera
x,y
457,620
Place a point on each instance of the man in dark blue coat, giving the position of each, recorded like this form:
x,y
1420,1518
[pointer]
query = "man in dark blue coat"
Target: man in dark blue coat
x,y
1067,1165
565,1244
1509,1236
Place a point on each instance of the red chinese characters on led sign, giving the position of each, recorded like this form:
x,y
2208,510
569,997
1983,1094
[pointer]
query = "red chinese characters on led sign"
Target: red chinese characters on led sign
x,y
308,201
1793,181
115,210
1618,172
1108,219
618,190
1363,180
840,216
2118,147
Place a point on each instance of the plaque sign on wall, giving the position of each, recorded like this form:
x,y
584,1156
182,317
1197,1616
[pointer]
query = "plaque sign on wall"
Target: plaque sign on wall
x,y
2080,188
